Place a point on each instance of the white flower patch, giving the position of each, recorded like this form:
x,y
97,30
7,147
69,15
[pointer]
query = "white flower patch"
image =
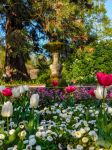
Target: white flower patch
x,y
32,141
79,147
77,134
12,131
2,136
49,138
85,139
75,128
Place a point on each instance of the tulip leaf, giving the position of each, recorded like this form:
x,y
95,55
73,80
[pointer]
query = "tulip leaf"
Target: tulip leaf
x,y
11,139
103,143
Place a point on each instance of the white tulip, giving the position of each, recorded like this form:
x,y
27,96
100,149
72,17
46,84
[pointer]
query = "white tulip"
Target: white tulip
x,y
34,100
16,92
7,109
109,109
100,92
21,89
26,88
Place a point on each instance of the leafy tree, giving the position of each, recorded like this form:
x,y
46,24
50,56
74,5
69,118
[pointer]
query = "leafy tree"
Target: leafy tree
x,y
89,57
68,21
20,36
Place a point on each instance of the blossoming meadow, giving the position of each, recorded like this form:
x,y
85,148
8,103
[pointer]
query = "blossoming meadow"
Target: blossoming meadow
x,y
69,118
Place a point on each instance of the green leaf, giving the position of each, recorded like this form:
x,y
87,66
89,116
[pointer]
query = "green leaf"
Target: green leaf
x,y
103,143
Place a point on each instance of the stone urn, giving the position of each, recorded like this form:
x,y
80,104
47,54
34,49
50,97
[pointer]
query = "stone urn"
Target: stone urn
x,y
55,67
33,73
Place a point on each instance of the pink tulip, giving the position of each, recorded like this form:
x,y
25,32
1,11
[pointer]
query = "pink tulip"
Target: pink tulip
x,y
55,83
70,89
41,89
7,92
91,92
104,79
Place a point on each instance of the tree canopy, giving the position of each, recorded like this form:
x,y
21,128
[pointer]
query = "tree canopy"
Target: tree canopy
x,y
78,24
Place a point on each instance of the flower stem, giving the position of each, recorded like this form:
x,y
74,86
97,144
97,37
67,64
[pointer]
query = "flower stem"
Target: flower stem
x,y
33,116
7,124
104,97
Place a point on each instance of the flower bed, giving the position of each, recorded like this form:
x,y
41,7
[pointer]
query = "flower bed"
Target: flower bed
x,y
54,127
71,118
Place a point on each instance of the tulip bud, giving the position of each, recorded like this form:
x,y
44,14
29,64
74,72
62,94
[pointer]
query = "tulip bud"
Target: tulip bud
x,y
55,83
7,109
100,92
34,100
109,109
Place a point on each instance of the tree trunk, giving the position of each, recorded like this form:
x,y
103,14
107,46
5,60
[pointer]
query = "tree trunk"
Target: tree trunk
x,y
14,67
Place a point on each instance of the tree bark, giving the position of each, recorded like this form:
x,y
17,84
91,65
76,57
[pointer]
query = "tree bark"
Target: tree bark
x,y
14,67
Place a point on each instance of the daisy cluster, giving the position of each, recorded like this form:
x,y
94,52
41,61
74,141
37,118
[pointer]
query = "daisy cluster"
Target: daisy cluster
x,y
72,127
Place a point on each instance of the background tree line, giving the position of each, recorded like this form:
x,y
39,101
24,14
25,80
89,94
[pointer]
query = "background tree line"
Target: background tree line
x,y
82,25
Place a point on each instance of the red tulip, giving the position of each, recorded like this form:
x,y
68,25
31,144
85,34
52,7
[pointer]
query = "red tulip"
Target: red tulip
x,y
104,79
55,83
91,92
7,92
70,89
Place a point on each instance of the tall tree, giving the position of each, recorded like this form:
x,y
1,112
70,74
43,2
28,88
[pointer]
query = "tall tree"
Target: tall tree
x,y
70,21
19,36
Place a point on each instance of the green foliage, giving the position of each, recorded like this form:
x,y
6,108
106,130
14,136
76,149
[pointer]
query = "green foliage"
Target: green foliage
x,y
2,57
43,77
42,64
82,66
21,43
